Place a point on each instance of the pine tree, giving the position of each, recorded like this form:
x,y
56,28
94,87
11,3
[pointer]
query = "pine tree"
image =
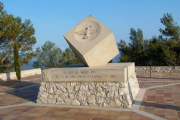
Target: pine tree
x,y
13,31
171,39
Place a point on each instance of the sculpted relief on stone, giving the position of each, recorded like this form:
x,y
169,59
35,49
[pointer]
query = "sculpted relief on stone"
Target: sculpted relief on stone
x,y
45,74
87,31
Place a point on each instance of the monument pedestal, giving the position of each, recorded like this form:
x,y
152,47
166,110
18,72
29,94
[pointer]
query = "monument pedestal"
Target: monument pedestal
x,y
113,85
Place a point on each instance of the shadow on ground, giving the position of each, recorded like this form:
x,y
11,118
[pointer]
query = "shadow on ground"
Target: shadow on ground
x,y
15,93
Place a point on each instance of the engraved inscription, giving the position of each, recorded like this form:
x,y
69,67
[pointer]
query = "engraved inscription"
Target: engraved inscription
x,y
81,74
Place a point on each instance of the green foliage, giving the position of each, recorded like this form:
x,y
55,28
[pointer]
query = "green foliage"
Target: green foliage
x,y
36,64
162,50
171,30
69,57
17,64
136,48
12,31
7,65
124,51
50,56
171,39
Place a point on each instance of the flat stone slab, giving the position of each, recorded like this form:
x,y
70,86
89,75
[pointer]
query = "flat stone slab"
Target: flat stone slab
x,y
78,72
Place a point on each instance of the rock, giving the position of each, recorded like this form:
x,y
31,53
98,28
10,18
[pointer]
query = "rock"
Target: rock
x,y
104,86
91,99
118,103
70,89
117,84
59,86
103,94
105,104
124,97
110,94
111,88
54,88
67,101
76,88
71,96
108,84
43,84
44,101
58,92
129,98
82,95
98,84
73,84
121,98
121,92
43,94
113,104
126,105
75,102
63,89
123,85
91,86
59,100
38,101
67,85
51,96
98,94
125,90
84,87
116,93
106,100
50,90
99,88
84,83
51,101
84,103
64,96
92,92
64,84
88,93
99,99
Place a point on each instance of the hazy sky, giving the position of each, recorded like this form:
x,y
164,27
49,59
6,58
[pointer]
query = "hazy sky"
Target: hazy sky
x,y
53,18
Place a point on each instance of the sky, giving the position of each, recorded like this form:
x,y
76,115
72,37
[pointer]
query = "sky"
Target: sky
x,y
53,18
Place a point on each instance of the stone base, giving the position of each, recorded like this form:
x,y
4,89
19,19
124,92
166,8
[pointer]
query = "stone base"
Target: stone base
x,y
107,93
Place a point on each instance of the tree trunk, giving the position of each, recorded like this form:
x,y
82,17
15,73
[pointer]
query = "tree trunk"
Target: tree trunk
x,y
4,58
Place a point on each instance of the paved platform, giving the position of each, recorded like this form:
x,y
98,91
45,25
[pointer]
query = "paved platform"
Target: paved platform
x,y
159,99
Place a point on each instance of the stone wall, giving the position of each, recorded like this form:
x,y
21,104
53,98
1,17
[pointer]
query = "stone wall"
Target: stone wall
x,y
24,73
100,94
172,69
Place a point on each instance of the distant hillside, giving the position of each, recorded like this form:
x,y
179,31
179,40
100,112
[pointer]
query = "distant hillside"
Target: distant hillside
x,y
116,59
28,66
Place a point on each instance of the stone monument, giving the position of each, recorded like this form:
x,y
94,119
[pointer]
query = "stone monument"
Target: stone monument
x,y
92,42
97,82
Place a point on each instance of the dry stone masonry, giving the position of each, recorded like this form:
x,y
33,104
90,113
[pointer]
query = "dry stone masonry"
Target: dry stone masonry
x,y
99,94
170,69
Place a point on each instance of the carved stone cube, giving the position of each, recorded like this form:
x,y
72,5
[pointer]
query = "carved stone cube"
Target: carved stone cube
x,y
92,42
